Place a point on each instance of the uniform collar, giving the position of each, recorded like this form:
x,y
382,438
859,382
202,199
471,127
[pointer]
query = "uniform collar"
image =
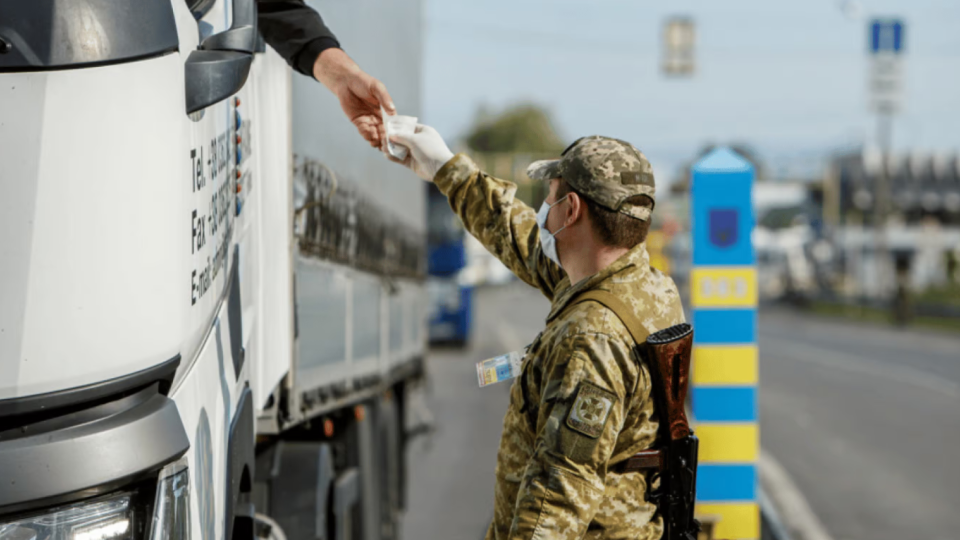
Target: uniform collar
x,y
637,258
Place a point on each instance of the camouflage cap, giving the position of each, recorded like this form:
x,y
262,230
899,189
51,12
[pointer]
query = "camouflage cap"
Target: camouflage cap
x,y
607,171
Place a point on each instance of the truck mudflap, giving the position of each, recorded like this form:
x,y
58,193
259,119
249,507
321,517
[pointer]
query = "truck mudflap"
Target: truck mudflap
x,y
90,451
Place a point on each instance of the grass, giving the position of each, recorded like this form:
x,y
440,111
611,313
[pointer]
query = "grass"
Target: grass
x,y
949,294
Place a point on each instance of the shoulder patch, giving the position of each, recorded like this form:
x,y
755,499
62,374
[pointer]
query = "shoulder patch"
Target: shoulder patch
x,y
590,410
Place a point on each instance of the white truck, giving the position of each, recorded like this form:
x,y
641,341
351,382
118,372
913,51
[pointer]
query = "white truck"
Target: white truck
x,y
211,288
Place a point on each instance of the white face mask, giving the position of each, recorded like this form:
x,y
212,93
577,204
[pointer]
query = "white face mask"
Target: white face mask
x,y
548,240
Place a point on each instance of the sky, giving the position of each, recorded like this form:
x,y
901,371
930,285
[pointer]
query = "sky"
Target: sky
x,y
789,78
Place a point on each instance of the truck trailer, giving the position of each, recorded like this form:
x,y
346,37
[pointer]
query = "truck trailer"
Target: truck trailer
x,y
211,288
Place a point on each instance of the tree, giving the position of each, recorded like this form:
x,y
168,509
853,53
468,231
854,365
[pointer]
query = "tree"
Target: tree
x,y
522,128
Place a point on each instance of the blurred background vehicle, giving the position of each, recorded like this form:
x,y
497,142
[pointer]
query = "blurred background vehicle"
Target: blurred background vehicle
x,y
451,281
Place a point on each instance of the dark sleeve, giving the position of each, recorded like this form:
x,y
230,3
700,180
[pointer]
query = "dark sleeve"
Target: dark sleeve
x,y
295,31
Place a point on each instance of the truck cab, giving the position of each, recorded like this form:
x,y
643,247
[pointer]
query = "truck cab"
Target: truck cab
x,y
167,271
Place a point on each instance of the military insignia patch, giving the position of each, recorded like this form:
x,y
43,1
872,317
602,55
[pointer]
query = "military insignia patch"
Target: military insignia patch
x,y
590,410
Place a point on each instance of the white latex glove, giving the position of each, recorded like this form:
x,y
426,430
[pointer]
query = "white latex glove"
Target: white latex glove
x,y
428,152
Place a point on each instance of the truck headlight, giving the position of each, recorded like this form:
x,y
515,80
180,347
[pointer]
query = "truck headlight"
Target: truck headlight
x,y
118,516
110,518
171,516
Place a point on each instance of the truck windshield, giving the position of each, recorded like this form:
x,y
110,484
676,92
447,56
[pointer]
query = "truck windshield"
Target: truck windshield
x,y
62,34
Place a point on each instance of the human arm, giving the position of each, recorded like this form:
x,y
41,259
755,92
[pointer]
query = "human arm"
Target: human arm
x,y
299,34
487,207
581,410
296,31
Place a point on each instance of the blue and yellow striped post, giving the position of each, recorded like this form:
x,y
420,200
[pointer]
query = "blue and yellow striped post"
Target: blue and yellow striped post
x,y
723,285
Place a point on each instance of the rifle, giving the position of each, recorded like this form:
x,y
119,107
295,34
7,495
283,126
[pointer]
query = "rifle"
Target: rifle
x,y
667,353
674,459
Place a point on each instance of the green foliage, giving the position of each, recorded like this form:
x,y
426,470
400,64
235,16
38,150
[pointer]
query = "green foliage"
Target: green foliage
x,y
522,128
944,295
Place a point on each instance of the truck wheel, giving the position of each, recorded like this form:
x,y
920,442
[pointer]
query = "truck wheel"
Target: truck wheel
x,y
267,529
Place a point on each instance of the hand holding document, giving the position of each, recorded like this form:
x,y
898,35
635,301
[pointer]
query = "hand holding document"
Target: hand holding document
x,y
427,151
397,125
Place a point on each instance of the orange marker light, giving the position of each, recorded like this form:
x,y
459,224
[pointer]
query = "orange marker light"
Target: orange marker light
x,y
236,102
239,174
238,139
239,187
328,427
360,413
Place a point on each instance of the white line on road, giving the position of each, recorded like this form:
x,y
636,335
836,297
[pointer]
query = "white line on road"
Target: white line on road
x,y
860,364
790,503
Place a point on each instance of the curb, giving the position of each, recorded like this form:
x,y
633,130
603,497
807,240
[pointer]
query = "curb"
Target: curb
x,y
771,525
788,513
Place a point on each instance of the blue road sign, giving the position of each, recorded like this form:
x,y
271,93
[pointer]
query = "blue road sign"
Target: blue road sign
x,y
886,36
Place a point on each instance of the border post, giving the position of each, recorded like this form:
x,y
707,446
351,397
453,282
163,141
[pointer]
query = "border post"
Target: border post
x,y
723,290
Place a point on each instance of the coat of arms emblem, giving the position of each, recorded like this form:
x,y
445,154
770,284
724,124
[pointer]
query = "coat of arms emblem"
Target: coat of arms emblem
x,y
723,227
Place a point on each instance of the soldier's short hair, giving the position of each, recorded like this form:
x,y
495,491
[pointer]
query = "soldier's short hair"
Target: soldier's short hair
x,y
615,229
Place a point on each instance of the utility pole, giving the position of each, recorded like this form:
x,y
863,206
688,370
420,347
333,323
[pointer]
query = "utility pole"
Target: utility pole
x,y
886,91
881,204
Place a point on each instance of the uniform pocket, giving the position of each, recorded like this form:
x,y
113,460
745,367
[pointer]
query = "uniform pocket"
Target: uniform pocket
x,y
567,503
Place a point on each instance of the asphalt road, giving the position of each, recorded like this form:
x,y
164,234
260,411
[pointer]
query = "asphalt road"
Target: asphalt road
x,y
451,472
866,420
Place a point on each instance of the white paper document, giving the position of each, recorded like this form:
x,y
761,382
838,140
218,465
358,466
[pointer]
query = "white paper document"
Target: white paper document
x,y
398,124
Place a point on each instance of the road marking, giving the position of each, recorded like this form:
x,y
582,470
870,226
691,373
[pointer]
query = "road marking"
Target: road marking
x,y
860,364
788,500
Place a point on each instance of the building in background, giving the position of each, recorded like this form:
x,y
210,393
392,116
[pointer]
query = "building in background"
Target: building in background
x,y
923,230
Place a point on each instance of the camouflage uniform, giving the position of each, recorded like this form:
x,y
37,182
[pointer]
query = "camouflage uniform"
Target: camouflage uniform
x,y
582,404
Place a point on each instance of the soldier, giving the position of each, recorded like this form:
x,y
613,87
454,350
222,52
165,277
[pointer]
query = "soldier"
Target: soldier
x,y
582,404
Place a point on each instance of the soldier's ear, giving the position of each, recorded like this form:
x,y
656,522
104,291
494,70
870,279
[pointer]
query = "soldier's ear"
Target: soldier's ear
x,y
575,210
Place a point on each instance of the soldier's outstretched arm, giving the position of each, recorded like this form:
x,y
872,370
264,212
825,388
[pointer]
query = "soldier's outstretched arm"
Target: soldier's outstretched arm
x,y
581,410
486,206
505,225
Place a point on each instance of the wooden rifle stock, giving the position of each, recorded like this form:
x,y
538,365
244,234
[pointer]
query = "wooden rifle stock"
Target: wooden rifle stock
x,y
668,355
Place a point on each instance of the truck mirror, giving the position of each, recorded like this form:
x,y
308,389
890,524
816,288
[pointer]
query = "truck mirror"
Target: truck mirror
x,y
221,65
242,34
212,76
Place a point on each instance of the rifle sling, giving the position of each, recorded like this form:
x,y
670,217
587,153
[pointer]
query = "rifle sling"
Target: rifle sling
x,y
619,308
